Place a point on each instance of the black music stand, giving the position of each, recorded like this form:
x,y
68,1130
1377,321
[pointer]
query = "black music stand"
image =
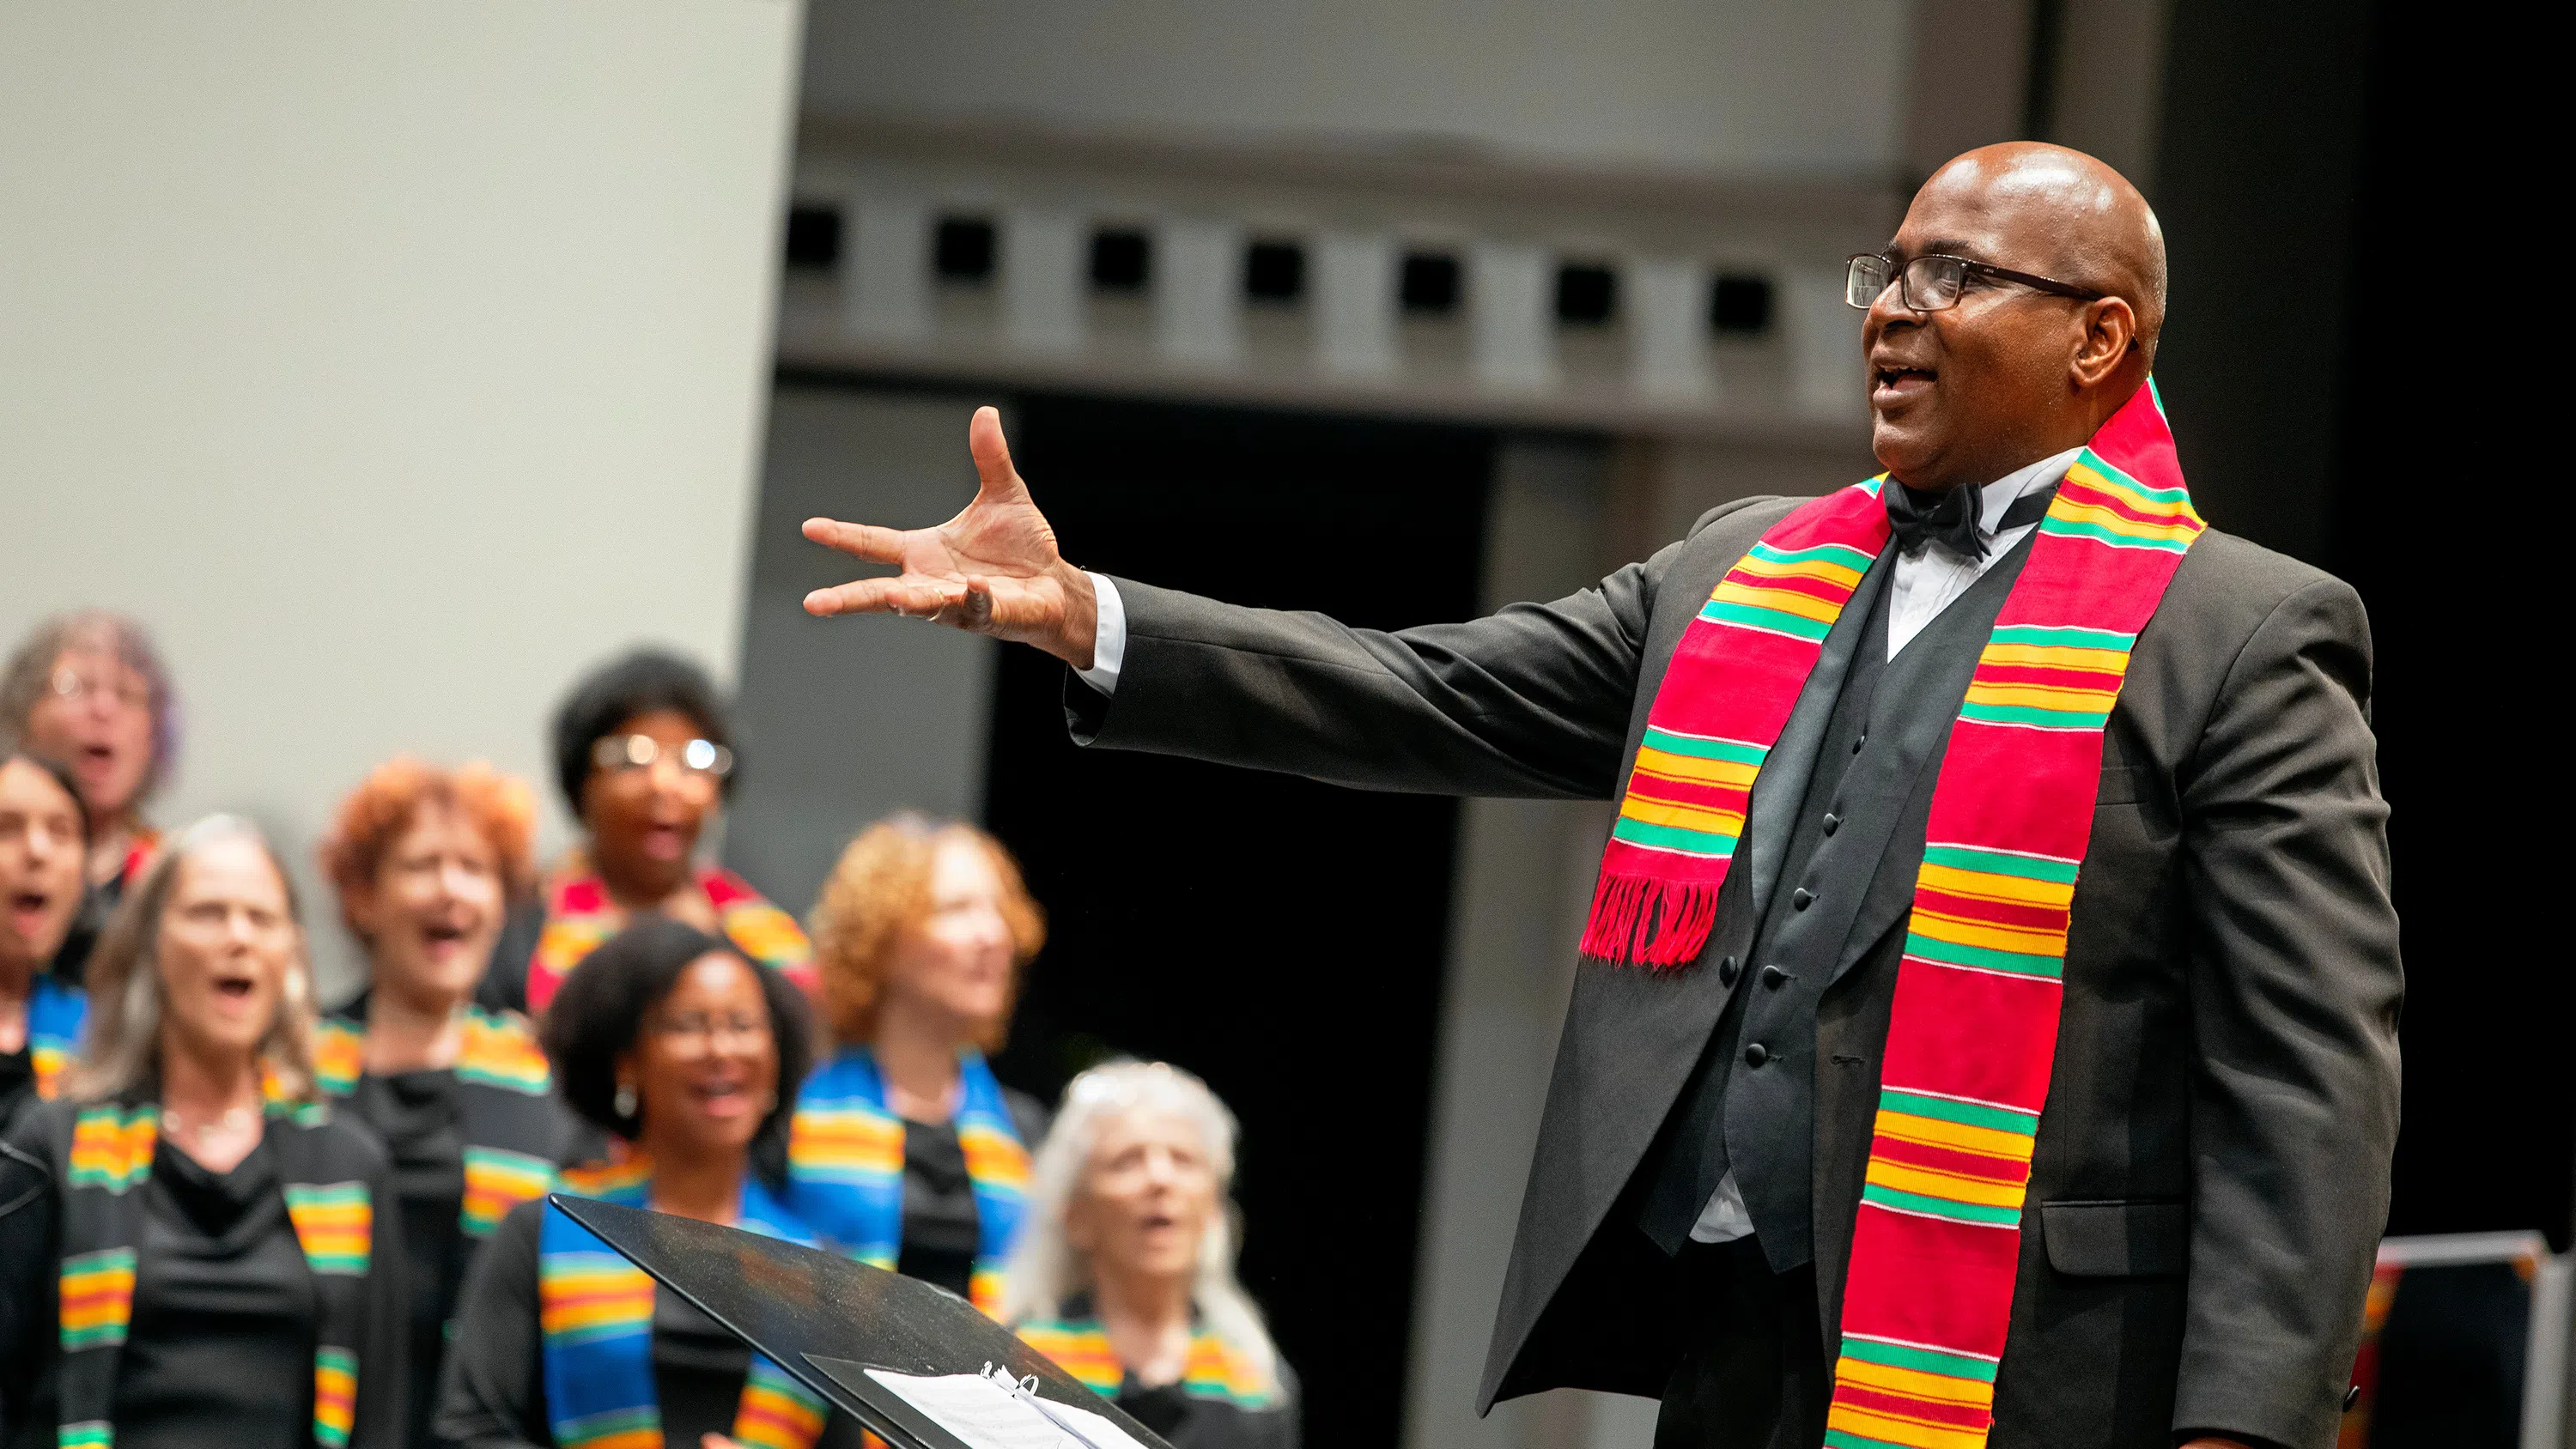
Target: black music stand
x,y
827,1320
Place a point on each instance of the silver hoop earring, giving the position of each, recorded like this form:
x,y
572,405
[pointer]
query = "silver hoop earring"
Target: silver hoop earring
x,y
624,1101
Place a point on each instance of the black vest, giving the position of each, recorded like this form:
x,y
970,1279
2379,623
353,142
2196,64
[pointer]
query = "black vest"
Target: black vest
x,y
1862,751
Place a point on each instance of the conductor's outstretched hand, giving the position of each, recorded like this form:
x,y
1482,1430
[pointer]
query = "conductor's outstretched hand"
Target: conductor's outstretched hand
x,y
993,569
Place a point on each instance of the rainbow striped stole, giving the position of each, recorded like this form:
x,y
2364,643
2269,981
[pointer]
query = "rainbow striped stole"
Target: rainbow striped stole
x,y
1973,1040
1727,694
501,1073
108,1155
580,916
55,1015
595,1310
845,1165
1213,1370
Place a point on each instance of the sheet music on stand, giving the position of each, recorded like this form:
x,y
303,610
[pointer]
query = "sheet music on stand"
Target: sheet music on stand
x,y
915,1364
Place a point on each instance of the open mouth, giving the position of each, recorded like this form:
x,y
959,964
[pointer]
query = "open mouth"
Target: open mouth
x,y
1895,384
27,909
722,1097
235,990
442,939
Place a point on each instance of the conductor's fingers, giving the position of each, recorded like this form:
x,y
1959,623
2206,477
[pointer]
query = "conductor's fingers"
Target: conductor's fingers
x,y
992,453
859,540
882,596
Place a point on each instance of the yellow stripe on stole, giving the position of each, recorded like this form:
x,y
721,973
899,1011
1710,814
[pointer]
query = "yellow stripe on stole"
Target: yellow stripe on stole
x,y
1842,576
1686,817
1960,1136
1665,765
2113,662
2112,521
1787,601
840,1137
1915,1384
994,1158
1912,1433
2044,696
1955,1186
2176,508
1981,885
1963,932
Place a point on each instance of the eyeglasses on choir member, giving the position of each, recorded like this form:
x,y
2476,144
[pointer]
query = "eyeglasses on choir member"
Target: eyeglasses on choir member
x,y
644,757
194,1246
688,1056
921,934
427,862
1126,1276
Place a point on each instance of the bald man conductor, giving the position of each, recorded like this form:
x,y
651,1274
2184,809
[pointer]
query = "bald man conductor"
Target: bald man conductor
x,y
1985,1031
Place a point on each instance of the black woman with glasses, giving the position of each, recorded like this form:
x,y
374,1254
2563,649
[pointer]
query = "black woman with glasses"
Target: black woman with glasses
x,y
644,755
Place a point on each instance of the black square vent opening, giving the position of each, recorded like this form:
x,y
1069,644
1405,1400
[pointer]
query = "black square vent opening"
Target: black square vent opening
x,y
963,249
1274,271
813,237
1122,259
1587,294
1740,305
1428,283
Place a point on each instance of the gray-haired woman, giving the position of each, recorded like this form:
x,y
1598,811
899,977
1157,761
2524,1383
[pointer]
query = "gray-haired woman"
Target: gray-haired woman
x,y
191,1246
89,689
1125,1273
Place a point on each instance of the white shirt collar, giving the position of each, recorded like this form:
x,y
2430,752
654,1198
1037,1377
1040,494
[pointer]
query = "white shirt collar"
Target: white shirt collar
x,y
2002,493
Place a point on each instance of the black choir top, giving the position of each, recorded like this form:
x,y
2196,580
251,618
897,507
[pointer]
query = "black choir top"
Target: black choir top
x,y
17,1082
493,1395
941,1230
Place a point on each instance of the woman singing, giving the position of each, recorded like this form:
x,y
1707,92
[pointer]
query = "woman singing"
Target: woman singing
x,y
1126,1278
669,1039
644,755
426,862
43,841
907,1153
195,1249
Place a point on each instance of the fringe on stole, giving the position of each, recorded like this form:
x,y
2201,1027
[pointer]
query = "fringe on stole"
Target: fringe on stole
x,y
1640,921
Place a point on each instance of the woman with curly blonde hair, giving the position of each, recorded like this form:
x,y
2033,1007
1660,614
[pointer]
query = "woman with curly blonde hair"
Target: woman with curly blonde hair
x,y
905,1152
427,862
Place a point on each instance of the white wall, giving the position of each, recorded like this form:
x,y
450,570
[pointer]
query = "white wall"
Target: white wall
x,y
1724,85
391,361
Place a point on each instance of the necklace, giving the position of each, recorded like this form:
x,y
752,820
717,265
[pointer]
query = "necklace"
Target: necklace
x,y
233,1120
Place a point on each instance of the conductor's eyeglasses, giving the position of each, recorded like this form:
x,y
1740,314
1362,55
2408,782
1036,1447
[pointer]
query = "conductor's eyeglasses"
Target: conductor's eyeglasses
x,y
639,752
1933,281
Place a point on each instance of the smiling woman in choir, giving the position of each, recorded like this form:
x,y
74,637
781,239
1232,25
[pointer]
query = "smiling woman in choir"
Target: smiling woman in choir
x,y
189,1238
644,756
1126,1277
43,841
688,1054
426,862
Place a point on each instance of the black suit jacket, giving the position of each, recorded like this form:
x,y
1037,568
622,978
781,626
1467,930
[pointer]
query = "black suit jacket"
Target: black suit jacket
x,y
2211,1173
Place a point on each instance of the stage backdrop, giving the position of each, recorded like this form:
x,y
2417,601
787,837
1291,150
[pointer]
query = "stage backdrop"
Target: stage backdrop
x,y
392,362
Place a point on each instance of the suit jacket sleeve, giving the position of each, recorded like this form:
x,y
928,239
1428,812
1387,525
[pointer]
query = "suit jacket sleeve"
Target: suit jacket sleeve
x,y
1531,701
2295,988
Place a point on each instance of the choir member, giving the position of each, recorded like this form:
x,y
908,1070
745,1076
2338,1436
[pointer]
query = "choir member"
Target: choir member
x,y
644,755
921,932
426,862
89,689
672,1041
44,840
195,1248
1126,1277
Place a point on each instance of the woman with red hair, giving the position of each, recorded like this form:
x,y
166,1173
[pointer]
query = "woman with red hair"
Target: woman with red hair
x,y
427,862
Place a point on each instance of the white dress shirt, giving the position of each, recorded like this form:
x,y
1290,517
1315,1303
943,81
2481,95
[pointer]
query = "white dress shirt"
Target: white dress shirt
x,y
1922,585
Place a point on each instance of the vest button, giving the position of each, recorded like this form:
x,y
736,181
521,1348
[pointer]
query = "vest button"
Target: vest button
x,y
1726,971
1802,898
1774,977
1756,1054
1833,823
1856,744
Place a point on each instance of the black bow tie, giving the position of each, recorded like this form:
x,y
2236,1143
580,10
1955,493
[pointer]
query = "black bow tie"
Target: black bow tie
x,y
1950,518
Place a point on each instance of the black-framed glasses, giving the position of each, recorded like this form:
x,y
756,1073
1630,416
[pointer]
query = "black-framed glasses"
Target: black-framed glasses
x,y
638,752
1933,282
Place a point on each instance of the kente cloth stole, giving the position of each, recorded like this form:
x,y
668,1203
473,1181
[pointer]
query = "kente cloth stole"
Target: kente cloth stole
x,y
1973,1038
503,1086
596,1311
580,916
55,1015
1213,1369
107,1159
138,856
845,1165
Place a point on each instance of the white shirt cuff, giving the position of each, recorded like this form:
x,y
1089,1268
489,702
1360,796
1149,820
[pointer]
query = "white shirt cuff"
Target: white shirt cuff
x,y
1109,644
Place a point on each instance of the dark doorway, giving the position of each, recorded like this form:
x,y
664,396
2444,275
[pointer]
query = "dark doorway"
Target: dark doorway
x,y
1281,938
